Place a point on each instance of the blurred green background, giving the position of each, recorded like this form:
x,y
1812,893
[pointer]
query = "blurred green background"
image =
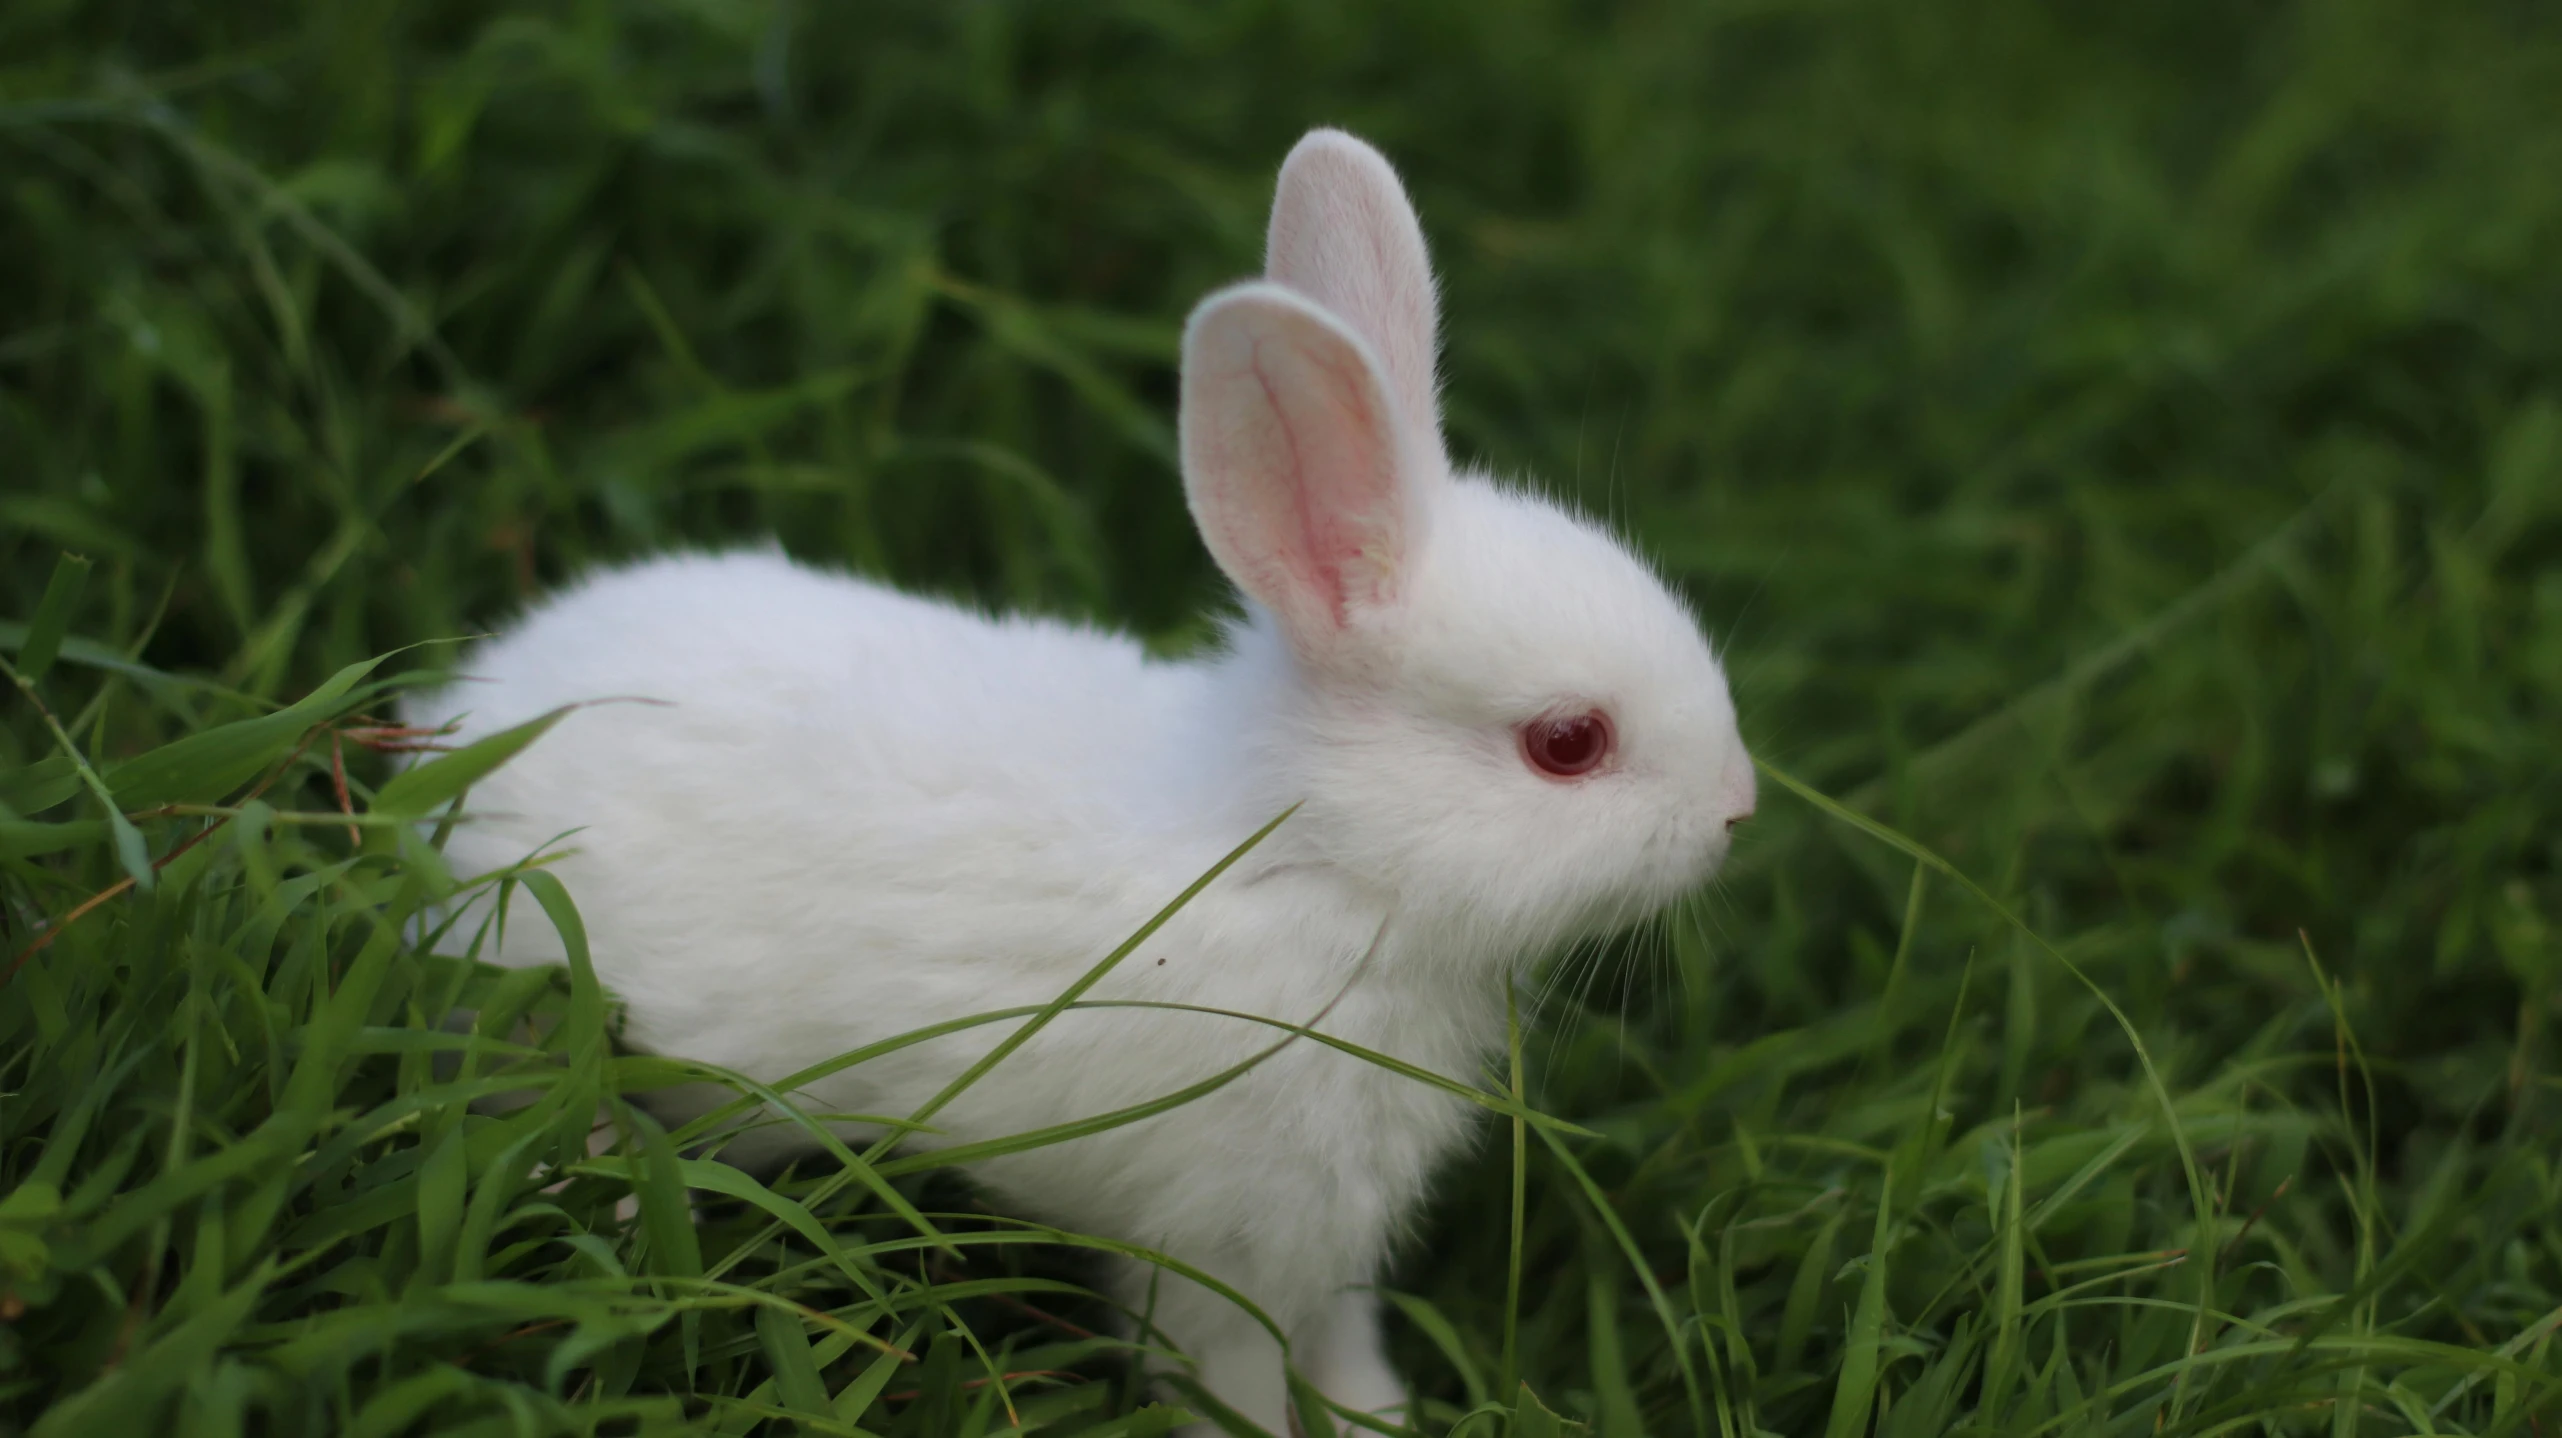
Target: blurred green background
x,y
2119,447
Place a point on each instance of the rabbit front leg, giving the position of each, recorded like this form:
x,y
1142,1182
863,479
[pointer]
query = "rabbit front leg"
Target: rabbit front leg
x,y
1229,1353
1338,1350
1341,1352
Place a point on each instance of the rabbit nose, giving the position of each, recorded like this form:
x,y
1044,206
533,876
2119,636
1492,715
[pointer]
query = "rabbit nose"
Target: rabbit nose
x,y
1733,820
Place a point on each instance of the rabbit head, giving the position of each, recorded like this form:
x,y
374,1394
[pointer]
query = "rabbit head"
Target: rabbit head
x,y
1489,706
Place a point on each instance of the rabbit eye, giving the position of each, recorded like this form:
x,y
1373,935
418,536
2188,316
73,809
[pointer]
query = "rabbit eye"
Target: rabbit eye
x,y
1567,746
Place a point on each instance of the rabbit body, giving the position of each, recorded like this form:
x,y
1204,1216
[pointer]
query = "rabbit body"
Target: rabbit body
x,y
856,813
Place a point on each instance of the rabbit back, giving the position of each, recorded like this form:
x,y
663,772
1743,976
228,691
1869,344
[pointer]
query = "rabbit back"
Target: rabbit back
x,y
788,782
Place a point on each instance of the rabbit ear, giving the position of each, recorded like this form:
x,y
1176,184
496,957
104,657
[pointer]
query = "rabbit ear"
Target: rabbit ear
x,y
1298,472
1344,234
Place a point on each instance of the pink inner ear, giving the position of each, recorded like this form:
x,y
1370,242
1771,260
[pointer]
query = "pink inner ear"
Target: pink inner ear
x,y
1341,482
1290,456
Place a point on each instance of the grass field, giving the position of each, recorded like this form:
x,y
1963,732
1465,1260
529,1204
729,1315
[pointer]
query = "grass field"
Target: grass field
x,y
2120,449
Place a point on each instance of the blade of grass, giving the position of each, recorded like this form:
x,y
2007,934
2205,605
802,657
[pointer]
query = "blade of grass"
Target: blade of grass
x,y
1855,1391
53,617
1509,1375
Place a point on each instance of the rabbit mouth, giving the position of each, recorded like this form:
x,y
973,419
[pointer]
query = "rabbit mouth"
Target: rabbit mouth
x,y
1659,886
1680,862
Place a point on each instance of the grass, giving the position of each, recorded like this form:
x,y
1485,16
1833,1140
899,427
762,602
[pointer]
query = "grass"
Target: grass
x,y
2120,449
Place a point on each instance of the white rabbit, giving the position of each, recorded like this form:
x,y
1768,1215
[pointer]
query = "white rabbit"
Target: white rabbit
x,y
863,812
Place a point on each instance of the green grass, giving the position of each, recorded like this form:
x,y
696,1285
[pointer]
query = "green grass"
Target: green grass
x,y
2120,449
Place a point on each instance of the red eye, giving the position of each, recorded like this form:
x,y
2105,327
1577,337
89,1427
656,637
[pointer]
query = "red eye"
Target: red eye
x,y
1566,746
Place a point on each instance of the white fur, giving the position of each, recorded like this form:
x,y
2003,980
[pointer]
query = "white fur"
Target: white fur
x,y
862,812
